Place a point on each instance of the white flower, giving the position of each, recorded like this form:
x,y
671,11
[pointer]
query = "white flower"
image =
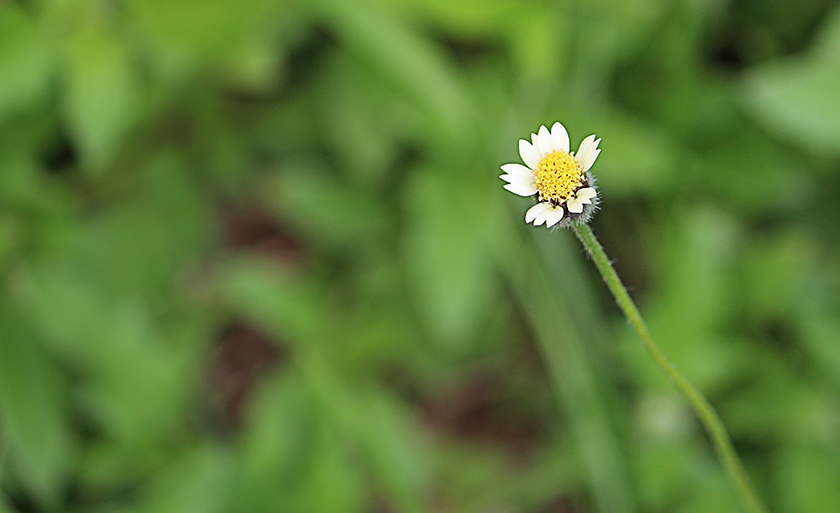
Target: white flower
x,y
559,180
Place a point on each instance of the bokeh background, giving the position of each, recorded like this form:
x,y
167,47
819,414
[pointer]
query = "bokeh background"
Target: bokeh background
x,y
255,255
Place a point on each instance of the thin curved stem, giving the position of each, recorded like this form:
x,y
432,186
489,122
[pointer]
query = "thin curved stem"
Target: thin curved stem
x,y
708,416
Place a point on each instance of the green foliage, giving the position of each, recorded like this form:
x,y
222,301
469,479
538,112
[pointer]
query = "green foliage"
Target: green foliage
x,y
797,96
255,256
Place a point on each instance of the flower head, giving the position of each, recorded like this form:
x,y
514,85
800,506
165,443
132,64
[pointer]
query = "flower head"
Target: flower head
x,y
558,180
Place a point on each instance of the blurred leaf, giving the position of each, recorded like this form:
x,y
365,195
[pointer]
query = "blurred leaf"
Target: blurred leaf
x,y
486,481
196,483
323,209
27,58
745,170
255,68
808,479
135,385
448,253
288,307
638,157
364,119
540,42
277,445
331,468
820,336
664,466
32,409
101,94
24,187
679,469
402,55
397,467
775,272
187,35
11,235
399,454
467,18
4,505
778,403
798,101
689,313
140,243
798,97
574,378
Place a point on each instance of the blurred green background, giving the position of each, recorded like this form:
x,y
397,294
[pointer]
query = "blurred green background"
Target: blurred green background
x,y
255,255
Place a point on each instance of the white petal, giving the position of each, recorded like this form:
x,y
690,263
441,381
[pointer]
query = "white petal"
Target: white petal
x,y
517,169
530,155
546,146
517,179
574,205
536,210
585,144
588,152
554,217
560,137
587,162
540,218
586,194
546,214
521,189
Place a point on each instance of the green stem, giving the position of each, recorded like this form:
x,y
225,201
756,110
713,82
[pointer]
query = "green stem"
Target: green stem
x,y
710,419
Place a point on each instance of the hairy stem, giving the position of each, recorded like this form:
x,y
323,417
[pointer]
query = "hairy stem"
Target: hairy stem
x,y
708,416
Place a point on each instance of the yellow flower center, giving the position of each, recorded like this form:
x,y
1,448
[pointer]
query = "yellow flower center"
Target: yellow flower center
x,y
557,177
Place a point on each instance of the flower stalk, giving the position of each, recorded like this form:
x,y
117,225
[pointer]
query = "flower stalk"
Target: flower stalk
x,y
701,406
